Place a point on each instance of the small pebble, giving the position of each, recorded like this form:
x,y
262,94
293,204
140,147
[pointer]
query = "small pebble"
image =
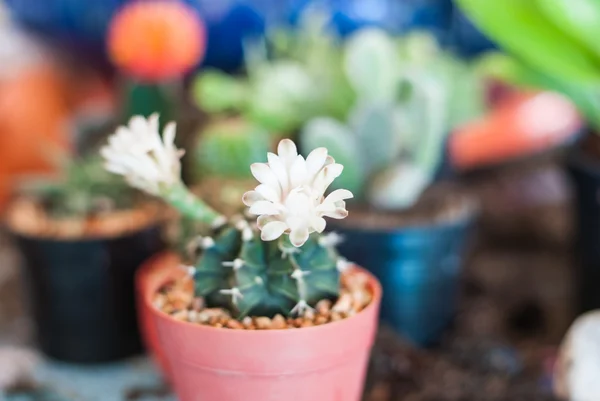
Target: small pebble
x,y
262,323
159,301
198,303
234,324
335,316
180,315
247,322
278,322
344,303
309,314
192,316
324,307
307,323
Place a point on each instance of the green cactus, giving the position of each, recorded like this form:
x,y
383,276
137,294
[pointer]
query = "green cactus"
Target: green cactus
x,y
292,76
239,271
410,95
83,188
225,148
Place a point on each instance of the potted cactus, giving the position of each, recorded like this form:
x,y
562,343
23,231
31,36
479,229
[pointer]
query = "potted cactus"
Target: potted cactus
x,y
264,306
406,226
154,43
82,235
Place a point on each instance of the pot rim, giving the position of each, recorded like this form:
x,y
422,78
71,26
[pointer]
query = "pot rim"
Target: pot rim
x,y
156,224
175,270
465,218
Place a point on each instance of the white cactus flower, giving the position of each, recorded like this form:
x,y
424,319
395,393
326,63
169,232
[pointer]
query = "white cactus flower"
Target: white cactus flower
x,y
291,197
138,153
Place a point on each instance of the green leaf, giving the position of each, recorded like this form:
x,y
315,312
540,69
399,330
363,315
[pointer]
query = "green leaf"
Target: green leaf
x,y
579,19
520,27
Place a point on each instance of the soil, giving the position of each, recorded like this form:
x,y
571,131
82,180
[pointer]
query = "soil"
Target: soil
x,y
177,299
442,202
27,217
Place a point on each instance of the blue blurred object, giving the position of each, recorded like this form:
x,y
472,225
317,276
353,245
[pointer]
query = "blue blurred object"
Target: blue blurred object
x,y
419,269
466,38
396,16
83,24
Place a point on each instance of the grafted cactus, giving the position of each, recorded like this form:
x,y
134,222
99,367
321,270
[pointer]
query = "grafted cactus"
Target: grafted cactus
x,y
410,95
278,264
237,270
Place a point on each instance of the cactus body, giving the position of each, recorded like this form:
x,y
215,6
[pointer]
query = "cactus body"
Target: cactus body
x,y
227,147
239,271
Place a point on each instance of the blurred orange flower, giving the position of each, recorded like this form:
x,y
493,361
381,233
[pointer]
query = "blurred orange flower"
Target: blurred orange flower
x,y
156,40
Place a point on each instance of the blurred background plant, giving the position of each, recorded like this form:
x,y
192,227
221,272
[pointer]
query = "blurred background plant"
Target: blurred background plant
x,y
291,75
83,188
551,44
410,95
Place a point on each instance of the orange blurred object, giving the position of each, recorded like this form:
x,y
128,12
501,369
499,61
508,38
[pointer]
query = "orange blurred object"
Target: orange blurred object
x,y
521,124
156,40
33,117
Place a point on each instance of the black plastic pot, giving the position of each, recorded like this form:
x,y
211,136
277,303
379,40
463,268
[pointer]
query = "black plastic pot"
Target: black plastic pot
x,y
419,269
585,176
82,293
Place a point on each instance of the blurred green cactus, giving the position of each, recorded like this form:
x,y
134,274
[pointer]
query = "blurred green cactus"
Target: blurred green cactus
x,y
237,270
82,188
292,76
226,147
410,95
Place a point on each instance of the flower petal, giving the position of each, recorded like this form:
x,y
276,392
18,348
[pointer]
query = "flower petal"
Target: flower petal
x,y
316,161
268,193
338,195
318,223
265,219
299,236
251,197
280,171
287,151
298,172
264,207
273,230
263,173
337,214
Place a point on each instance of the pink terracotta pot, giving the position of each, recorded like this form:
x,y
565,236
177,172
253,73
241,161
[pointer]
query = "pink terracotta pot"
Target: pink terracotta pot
x,y
321,363
157,271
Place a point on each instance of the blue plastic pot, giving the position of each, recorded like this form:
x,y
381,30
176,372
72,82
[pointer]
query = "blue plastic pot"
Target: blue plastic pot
x,y
83,23
82,293
419,269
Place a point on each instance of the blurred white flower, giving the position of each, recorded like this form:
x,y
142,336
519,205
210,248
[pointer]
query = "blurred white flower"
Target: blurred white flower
x,y
138,153
291,197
